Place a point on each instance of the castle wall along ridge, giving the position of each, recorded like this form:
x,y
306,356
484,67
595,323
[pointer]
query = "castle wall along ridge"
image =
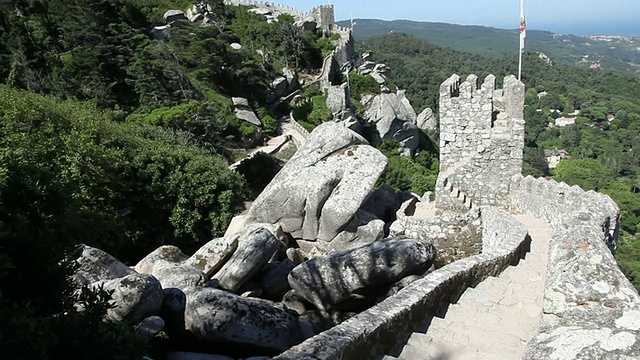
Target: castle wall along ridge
x,y
591,311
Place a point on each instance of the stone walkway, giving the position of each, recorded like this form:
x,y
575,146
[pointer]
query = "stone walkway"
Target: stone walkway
x,y
496,319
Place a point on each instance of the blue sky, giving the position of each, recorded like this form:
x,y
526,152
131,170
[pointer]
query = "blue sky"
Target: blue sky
x,y
581,17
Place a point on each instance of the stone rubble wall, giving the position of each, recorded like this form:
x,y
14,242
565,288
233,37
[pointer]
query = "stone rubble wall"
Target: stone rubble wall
x,y
481,137
591,311
297,127
376,331
456,235
345,48
266,4
323,15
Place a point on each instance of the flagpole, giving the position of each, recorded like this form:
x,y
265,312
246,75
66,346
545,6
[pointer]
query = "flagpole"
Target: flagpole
x,y
523,34
520,66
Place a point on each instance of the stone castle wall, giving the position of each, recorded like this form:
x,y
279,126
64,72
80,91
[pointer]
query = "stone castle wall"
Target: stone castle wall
x,y
323,15
481,138
586,295
265,4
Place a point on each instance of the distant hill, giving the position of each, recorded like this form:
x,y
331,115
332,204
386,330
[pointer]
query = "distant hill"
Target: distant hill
x,y
620,53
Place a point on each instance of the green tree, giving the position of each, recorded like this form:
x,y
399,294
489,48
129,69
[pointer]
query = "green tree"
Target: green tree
x,y
589,174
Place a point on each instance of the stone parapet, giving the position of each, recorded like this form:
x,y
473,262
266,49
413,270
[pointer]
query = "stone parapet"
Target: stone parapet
x,y
481,137
456,235
266,4
591,311
377,330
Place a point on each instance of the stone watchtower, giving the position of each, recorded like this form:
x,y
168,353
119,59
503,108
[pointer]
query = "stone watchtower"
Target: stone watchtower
x,y
325,18
481,140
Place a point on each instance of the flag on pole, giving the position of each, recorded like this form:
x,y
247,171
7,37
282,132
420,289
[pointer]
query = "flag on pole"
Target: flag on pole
x,y
523,26
523,34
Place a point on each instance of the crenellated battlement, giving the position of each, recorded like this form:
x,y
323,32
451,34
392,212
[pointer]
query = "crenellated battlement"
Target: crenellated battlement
x,y
286,9
481,136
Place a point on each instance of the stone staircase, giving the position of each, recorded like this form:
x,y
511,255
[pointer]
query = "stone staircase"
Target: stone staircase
x,y
494,320
461,200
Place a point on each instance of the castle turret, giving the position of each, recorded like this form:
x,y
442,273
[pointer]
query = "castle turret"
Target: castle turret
x,y
481,138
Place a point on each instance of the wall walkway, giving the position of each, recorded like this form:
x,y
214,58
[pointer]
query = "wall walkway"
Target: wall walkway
x,y
494,320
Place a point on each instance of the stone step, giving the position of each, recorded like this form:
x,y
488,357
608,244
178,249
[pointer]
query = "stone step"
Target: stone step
x,y
495,319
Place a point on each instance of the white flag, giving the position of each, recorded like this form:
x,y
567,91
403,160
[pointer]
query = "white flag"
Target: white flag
x,y
523,26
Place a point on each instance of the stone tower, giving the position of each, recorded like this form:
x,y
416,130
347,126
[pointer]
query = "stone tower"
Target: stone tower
x,y
481,139
325,18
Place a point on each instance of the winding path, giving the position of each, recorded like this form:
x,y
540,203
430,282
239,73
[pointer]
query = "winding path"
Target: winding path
x,y
493,321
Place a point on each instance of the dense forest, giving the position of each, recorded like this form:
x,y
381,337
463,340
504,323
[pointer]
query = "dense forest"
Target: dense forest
x,y
115,139
112,138
602,144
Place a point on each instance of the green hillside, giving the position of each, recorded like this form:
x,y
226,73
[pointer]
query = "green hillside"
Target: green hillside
x,y
615,53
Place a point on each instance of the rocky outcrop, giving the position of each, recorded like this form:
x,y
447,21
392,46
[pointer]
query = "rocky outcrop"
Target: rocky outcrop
x,y
174,15
135,296
320,189
215,316
337,99
394,118
363,229
427,122
333,281
244,112
212,255
167,253
167,264
95,265
178,275
253,253
377,330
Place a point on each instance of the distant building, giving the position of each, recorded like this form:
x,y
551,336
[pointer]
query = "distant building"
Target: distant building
x,y
611,117
554,156
563,121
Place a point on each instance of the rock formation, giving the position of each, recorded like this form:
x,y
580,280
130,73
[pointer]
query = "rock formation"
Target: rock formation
x,y
331,281
319,190
394,118
215,316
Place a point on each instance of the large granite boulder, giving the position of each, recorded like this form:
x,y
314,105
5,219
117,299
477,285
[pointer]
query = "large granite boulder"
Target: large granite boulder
x,y
350,278
166,253
174,15
427,121
167,264
273,282
178,275
255,249
392,114
279,86
214,316
149,328
363,229
212,255
319,190
135,297
244,111
96,265
337,98
409,139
